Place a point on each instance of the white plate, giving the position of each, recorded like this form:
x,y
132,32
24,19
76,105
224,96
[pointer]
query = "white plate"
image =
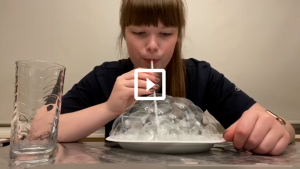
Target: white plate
x,y
167,147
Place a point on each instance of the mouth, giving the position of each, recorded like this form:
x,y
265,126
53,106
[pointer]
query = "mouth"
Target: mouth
x,y
149,61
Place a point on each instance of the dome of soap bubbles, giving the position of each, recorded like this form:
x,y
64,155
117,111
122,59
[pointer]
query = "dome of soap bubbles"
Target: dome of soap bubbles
x,y
172,119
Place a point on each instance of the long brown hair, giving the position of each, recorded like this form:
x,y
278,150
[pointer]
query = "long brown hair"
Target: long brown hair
x,y
170,13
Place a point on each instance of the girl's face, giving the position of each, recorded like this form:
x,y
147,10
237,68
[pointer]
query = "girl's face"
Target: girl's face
x,y
150,43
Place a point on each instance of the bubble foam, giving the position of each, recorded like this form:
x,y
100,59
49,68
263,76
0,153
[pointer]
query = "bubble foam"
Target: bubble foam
x,y
178,119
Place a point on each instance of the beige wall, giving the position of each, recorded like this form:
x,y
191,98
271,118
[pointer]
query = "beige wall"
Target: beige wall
x,y
254,43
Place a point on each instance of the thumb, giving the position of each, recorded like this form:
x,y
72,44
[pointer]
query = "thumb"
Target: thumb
x,y
229,132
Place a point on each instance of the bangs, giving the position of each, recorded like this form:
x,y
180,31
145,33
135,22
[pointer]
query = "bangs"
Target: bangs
x,y
150,12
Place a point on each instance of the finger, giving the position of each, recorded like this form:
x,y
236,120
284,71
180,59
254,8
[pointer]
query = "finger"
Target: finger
x,y
140,92
143,75
141,84
229,133
243,129
260,130
280,146
151,76
268,143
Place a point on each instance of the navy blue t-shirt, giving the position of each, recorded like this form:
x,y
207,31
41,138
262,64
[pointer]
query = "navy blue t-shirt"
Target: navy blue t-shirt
x,y
205,87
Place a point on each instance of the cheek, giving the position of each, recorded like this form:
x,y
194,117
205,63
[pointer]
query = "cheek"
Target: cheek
x,y
171,46
133,51
132,47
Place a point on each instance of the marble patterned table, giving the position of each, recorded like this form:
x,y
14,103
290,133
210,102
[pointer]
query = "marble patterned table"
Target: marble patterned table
x,y
220,154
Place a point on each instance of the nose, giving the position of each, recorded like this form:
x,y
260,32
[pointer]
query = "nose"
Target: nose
x,y
152,45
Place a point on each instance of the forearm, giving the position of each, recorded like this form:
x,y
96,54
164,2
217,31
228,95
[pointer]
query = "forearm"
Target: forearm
x,y
78,125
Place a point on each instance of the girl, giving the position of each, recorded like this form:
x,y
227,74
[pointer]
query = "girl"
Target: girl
x,y
153,30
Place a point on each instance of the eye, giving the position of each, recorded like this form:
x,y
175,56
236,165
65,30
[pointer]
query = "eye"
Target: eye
x,y
139,33
166,34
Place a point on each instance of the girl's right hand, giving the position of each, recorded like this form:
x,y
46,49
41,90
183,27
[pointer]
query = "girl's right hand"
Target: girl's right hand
x,y
122,94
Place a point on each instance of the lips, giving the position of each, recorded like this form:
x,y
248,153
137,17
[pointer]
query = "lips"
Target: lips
x,y
149,60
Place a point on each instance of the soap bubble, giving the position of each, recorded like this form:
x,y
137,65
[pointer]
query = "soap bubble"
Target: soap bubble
x,y
174,119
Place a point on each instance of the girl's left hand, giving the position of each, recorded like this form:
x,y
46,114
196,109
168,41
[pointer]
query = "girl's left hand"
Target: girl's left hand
x,y
258,132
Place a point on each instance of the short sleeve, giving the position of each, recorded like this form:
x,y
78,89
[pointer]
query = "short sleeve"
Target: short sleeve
x,y
225,101
84,94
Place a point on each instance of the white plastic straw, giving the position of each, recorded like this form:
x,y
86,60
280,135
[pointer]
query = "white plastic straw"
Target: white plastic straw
x,y
155,104
154,93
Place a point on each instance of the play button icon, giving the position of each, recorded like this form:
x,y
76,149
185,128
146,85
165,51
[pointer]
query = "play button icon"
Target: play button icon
x,y
149,84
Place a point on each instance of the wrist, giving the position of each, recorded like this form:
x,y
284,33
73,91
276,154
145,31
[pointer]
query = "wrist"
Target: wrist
x,y
286,125
291,131
110,110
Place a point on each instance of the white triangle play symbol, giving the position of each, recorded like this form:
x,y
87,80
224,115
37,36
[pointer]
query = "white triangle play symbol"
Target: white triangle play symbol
x,y
149,84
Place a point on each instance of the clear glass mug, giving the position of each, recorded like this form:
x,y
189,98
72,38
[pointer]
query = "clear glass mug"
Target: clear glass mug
x,y
37,105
